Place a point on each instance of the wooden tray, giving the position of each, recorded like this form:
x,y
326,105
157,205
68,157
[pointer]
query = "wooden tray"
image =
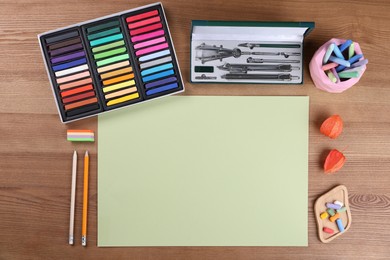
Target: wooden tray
x,y
339,193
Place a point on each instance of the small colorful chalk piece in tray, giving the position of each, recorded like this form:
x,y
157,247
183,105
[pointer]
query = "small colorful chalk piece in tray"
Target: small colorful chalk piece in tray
x,y
333,214
111,62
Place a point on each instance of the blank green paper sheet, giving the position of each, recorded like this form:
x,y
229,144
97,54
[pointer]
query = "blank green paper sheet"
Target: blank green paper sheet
x,y
204,171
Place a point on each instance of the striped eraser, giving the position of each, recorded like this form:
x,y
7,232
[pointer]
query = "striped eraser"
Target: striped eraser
x,y
80,135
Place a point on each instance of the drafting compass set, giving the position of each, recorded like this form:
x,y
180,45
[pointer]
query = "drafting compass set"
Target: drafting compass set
x,y
253,62
248,51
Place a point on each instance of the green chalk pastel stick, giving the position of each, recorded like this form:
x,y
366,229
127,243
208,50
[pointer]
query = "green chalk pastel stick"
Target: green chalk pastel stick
x,y
331,212
351,50
108,46
112,60
109,53
81,139
107,39
343,209
348,74
103,33
102,26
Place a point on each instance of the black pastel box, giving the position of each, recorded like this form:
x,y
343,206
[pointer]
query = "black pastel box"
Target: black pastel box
x,y
111,62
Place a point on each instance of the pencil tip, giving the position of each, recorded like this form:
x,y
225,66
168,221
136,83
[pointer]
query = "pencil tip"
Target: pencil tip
x,y
86,153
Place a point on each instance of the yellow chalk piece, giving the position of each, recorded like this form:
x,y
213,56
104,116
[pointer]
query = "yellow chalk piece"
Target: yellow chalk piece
x,y
331,76
122,99
119,86
121,92
324,215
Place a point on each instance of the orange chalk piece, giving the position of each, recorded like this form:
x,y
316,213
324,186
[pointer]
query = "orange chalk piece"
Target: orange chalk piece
x,y
116,72
333,218
78,131
76,90
334,161
328,230
332,127
118,79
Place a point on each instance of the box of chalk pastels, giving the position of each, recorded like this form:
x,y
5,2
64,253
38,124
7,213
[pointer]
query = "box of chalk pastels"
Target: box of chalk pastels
x,y
111,62
248,52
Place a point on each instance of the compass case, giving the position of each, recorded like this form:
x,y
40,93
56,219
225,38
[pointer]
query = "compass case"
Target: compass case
x,y
248,52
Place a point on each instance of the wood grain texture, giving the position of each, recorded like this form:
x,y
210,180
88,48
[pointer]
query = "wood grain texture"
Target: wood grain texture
x,y
36,159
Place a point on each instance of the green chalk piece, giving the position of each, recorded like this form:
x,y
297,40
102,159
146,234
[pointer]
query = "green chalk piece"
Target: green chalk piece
x,y
108,46
348,74
109,53
103,33
343,209
331,212
331,76
81,139
351,50
107,39
112,60
102,26
204,69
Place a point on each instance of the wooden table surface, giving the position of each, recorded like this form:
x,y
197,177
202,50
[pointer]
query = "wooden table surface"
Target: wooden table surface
x,y
35,158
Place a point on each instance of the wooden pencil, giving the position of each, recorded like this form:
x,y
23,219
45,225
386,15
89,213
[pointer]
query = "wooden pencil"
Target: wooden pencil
x,y
85,200
72,199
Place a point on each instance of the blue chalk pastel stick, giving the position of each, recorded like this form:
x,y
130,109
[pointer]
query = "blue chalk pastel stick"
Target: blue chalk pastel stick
x,y
355,58
328,53
345,45
351,60
158,75
154,55
338,53
161,89
340,61
69,64
340,225
156,69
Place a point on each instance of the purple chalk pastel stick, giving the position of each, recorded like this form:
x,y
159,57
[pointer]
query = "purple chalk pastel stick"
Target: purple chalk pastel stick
x,y
359,63
160,82
66,49
68,57
332,206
